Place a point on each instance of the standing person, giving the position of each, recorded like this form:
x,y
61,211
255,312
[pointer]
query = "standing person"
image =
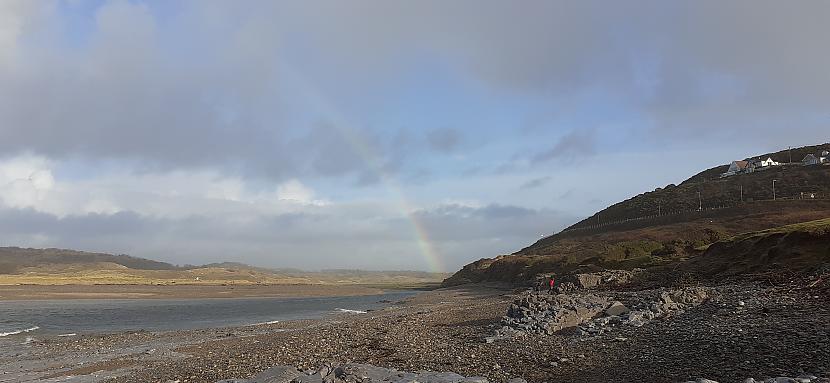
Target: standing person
x,y
552,284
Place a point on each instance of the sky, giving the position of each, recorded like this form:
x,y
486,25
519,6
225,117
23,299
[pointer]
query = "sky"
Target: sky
x,y
385,135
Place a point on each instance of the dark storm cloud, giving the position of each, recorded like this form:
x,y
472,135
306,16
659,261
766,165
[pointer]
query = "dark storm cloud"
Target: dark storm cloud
x,y
32,222
315,240
214,88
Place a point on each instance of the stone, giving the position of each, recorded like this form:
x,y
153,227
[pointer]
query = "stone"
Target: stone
x,y
517,380
439,377
313,378
278,374
354,372
616,308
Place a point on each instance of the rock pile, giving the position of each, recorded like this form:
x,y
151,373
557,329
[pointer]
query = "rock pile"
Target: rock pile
x,y
356,373
781,379
546,314
594,314
645,308
589,281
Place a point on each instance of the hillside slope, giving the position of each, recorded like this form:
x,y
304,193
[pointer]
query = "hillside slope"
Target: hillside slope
x,y
668,225
793,248
14,258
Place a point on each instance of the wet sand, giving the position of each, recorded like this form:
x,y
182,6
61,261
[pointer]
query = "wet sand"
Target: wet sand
x,y
30,292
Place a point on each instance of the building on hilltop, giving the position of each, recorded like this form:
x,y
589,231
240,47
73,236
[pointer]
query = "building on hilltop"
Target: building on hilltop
x,y
812,159
736,167
760,164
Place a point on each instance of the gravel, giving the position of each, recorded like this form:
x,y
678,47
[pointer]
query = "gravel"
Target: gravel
x,y
779,331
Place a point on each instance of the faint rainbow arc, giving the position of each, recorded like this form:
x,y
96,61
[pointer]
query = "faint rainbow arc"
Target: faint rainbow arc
x,y
362,148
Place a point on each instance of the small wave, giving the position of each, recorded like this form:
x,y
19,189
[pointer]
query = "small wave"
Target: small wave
x,y
264,323
66,335
19,331
29,339
351,311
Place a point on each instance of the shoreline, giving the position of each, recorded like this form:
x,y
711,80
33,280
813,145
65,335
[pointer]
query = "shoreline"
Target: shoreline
x,y
749,330
92,292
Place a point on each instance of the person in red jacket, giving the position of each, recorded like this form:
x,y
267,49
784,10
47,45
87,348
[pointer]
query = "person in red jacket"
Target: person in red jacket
x,y
552,284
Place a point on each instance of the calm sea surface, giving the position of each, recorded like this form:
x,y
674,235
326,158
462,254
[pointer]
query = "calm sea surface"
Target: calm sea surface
x,y
55,317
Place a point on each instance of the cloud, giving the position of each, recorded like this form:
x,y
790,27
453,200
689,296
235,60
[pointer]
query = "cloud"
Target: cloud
x,y
294,191
301,239
535,182
217,85
574,145
207,127
514,224
444,140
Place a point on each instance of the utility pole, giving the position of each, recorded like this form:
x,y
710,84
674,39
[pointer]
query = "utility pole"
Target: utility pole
x,y
742,193
773,189
700,201
790,151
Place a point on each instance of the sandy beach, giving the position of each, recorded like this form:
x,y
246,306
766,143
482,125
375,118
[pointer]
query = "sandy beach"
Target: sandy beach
x,y
30,292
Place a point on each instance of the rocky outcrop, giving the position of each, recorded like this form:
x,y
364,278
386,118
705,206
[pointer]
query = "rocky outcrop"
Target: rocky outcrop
x,y
356,373
546,314
590,281
804,378
592,313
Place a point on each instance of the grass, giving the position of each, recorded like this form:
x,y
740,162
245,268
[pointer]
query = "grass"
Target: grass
x,y
816,227
111,274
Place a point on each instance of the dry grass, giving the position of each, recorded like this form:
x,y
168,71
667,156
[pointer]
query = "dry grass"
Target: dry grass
x,y
113,274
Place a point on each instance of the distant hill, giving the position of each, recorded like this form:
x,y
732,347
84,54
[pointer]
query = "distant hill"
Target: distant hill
x,y
667,225
59,266
14,258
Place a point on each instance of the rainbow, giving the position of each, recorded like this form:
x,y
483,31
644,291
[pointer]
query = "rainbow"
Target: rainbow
x,y
365,151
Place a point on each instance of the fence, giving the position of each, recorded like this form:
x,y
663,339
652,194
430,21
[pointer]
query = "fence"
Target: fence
x,y
676,216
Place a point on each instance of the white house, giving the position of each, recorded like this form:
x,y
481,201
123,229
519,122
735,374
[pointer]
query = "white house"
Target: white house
x,y
768,162
760,164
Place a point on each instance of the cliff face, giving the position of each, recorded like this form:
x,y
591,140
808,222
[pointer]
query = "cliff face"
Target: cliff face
x,y
667,225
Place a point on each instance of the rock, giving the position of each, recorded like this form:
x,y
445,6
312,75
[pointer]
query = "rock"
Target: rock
x,y
314,378
517,380
362,372
439,377
616,308
780,379
749,380
279,374
586,281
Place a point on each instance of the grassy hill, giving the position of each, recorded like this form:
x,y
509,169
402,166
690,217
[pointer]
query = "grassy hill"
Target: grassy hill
x,y
15,258
786,249
670,225
69,267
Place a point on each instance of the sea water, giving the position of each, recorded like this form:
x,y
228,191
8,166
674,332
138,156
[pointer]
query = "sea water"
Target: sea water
x,y
68,317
